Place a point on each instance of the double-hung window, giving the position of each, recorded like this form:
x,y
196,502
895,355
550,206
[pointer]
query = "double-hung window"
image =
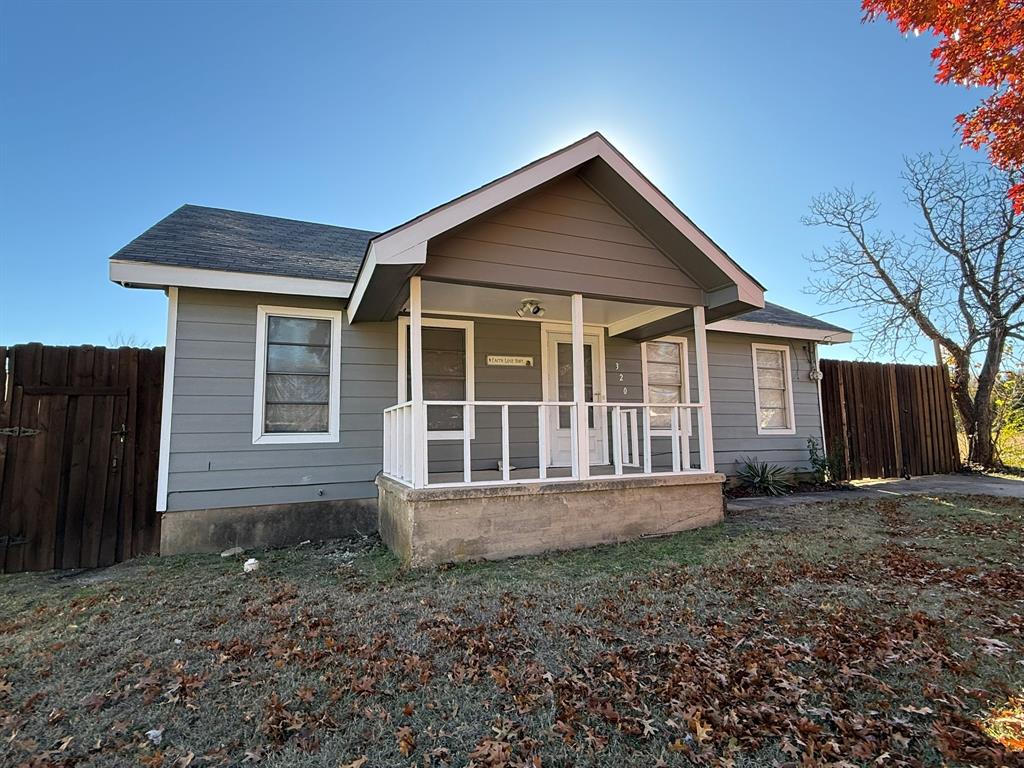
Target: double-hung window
x,y
666,375
447,372
773,390
298,375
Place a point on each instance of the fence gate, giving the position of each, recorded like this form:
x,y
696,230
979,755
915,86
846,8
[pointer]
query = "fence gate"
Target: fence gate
x,y
79,445
888,420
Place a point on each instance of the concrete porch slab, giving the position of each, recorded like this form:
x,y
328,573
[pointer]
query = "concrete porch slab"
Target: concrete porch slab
x,y
428,526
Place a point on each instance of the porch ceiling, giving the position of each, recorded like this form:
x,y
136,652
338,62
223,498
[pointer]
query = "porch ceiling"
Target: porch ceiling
x,y
617,316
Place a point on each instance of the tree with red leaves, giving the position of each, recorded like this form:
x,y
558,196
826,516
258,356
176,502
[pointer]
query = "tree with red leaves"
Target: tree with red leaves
x,y
981,44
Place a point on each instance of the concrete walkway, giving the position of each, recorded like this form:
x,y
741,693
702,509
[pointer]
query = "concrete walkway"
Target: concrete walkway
x,y
957,484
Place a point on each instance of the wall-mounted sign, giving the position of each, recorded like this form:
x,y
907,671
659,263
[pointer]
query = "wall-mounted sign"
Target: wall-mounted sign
x,y
510,361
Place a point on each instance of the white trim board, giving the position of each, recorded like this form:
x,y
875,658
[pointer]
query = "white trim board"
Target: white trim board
x,y
790,429
593,334
164,462
684,358
403,353
333,433
781,331
138,274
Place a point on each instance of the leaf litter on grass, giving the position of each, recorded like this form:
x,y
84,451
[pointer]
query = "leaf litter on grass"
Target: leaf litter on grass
x,y
854,633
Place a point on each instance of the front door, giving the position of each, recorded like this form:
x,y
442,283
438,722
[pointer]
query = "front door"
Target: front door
x,y
558,386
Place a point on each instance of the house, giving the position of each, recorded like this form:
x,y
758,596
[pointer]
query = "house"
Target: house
x,y
556,359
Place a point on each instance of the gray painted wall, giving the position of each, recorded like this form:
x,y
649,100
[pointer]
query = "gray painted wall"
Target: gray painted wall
x,y
733,417
213,462
564,237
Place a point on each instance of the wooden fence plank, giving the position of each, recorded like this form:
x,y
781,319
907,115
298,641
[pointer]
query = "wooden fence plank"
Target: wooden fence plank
x,y
81,491
947,389
129,377
151,377
97,467
889,420
80,427
26,368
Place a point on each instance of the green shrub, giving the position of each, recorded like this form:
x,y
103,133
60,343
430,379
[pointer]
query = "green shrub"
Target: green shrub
x,y
825,468
764,478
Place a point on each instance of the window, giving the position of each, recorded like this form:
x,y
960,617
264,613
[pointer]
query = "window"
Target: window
x,y
666,374
298,372
773,390
447,372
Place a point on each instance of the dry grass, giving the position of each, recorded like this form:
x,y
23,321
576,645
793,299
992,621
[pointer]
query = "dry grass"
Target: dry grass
x,y
850,633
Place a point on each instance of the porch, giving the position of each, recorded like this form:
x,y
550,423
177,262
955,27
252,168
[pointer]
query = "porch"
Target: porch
x,y
591,461
583,249
579,429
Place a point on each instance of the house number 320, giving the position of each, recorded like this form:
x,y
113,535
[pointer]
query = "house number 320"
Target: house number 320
x,y
625,390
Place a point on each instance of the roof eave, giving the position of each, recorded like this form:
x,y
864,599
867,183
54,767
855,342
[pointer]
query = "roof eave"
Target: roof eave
x,y
780,330
137,274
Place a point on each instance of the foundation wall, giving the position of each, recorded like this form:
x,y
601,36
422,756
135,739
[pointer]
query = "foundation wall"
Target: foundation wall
x,y
431,526
272,525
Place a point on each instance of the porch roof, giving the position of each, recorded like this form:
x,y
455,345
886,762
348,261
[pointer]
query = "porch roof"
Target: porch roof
x,y
393,256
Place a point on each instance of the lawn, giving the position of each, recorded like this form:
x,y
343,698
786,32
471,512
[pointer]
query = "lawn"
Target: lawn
x,y
852,633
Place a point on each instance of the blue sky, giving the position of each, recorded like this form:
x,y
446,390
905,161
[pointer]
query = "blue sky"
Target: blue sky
x,y
113,115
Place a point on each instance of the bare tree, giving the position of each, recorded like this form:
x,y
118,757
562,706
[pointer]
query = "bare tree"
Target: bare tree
x,y
958,279
122,339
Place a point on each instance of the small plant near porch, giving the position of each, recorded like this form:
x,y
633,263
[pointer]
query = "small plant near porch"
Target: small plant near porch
x,y
762,478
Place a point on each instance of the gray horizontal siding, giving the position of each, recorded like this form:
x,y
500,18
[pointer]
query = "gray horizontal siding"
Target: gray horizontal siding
x,y
566,238
213,462
733,415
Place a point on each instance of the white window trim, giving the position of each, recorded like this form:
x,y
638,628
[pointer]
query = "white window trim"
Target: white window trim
x,y
164,465
684,356
259,437
790,412
403,354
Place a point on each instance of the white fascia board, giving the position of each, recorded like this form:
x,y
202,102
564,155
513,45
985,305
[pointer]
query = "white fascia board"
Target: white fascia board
x,y
417,254
781,331
749,290
407,243
134,273
476,203
362,281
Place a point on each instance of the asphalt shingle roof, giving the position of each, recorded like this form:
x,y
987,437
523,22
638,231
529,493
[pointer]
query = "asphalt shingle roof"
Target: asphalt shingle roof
x,y
214,238
776,314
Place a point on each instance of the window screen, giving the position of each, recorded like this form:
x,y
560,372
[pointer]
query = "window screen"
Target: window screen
x,y
773,399
444,375
664,381
297,386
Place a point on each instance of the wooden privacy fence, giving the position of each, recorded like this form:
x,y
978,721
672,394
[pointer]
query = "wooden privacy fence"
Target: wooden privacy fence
x,y
79,445
888,420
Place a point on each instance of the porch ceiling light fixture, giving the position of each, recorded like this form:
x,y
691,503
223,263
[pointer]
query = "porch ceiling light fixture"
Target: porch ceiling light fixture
x,y
530,308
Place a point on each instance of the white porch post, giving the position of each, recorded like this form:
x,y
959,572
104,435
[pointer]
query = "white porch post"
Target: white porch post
x,y
419,411
579,391
700,338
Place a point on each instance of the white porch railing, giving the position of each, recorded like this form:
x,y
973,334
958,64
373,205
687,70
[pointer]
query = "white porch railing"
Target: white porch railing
x,y
398,454
625,439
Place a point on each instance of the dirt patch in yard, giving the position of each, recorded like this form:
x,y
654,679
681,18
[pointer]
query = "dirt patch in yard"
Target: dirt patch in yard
x,y
850,633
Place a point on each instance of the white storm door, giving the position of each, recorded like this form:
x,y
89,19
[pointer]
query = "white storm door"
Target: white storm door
x,y
558,386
